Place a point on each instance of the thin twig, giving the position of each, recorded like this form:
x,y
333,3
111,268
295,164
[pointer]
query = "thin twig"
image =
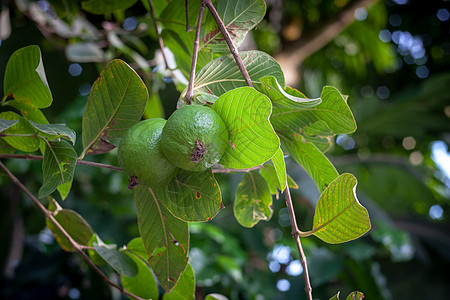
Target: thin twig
x,y
186,5
190,89
48,214
226,35
295,234
235,170
79,162
158,32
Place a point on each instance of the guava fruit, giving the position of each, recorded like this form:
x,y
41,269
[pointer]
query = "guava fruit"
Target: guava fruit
x,y
140,155
194,138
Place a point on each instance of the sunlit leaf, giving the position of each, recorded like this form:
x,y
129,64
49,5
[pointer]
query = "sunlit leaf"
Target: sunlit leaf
x,y
22,135
222,74
355,296
55,131
315,163
185,288
58,166
74,225
253,141
215,296
192,196
143,284
253,200
339,216
25,79
116,102
5,124
118,260
280,169
101,7
165,238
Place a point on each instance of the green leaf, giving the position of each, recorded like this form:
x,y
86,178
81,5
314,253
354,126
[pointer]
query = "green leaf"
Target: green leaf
x,y
25,79
5,124
215,296
315,163
29,112
238,16
137,247
355,296
74,224
58,166
222,74
5,148
253,200
192,196
93,255
165,238
286,97
55,131
339,216
253,141
335,297
270,175
185,288
27,143
101,7
116,102
280,168
64,189
143,284
118,260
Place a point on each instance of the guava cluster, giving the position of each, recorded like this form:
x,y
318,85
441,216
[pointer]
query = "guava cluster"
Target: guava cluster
x,y
153,151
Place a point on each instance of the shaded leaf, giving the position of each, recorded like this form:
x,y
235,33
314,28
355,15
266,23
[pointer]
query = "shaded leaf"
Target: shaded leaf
x,y
58,166
137,247
5,148
253,200
222,74
74,224
55,131
25,79
238,16
93,255
29,112
315,163
5,124
270,175
118,260
185,288
28,143
116,102
143,284
165,238
192,196
335,297
253,141
64,189
339,216
101,7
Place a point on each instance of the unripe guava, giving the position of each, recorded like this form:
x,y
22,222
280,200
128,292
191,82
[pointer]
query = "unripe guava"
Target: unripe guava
x,y
194,138
140,155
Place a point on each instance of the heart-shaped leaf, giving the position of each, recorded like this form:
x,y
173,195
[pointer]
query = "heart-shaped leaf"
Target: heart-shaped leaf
x,y
116,102
192,196
253,200
21,135
253,141
165,238
58,166
339,216
25,79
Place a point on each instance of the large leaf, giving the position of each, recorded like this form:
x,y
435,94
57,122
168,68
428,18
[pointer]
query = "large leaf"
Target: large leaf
x,y
165,238
55,131
253,200
118,260
58,166
29,112
73,223
101,7
222,74
116,102
25,79
315,163
246,113
238,16
5,124
185,289
192,196
143,284
22,135
339,216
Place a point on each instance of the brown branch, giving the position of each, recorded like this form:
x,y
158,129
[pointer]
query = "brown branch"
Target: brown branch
x,y
79,162
48,214
295,234
186,6
190,89
231,46
158,32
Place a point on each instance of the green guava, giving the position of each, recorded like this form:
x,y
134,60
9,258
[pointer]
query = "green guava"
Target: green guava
x,y
140,155
194,138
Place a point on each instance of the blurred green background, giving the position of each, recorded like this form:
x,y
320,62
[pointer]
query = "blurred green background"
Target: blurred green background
x,y
390,57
